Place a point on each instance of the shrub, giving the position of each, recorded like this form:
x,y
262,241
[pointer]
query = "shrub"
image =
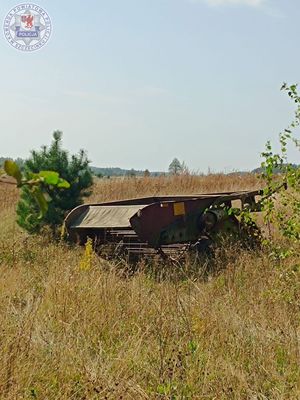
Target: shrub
x,y
74,169
286,214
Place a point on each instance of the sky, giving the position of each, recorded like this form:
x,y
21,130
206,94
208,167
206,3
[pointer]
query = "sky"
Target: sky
x,y
138,82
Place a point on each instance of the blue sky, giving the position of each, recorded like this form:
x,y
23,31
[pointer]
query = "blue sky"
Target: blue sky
x,y
139,82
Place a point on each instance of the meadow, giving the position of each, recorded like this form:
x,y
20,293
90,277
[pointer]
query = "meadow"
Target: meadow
x,y
164,332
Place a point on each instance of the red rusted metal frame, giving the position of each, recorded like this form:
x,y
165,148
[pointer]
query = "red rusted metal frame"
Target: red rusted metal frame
x,y
156,215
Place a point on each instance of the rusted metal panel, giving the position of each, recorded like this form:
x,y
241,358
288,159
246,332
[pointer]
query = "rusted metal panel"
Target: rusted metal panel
x,y
153,223
179,222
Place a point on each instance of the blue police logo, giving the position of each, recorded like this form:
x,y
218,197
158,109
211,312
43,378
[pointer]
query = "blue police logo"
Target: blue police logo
x,y
27,27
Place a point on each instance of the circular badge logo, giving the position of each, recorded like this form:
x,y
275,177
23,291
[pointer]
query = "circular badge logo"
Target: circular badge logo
x,y
27,27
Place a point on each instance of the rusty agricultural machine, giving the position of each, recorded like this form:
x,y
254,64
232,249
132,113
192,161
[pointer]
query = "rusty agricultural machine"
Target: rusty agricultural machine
x,y
164,225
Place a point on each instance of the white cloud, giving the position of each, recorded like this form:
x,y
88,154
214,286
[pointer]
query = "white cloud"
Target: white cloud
x,y
251,3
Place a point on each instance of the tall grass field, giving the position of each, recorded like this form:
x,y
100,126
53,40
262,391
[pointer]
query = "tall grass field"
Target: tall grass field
x,y
228,328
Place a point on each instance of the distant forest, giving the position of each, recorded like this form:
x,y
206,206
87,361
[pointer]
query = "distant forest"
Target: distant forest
x,y
116,171
101,172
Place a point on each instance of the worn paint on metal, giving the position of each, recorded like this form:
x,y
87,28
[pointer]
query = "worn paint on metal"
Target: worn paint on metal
x,y
156,221
179,209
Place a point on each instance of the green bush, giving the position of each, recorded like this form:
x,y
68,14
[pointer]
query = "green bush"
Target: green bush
x,y
284,213
74,169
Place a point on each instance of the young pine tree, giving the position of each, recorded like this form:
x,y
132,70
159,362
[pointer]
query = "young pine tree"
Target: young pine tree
x,y
74,169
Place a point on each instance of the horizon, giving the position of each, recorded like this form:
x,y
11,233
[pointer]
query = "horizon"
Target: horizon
x,y
154,173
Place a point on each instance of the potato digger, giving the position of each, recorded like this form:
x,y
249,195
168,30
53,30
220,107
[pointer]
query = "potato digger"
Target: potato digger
x,y
165,226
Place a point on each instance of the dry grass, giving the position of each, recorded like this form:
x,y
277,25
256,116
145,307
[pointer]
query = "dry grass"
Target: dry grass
x,y
125,188
8,196
68,333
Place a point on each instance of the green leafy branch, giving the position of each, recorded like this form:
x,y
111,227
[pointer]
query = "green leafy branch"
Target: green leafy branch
x,y
286,212
37,183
